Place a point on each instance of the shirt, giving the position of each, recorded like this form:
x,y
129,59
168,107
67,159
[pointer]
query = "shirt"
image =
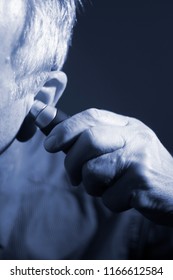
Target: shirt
x,y
42,216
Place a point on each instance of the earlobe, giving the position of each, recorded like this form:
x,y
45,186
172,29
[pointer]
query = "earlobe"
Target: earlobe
x,y
53,89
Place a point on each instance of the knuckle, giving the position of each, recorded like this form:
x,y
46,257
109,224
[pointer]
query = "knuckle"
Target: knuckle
x,y
143,131
66,127
147,134
141,200
88,171
90,136
96,177
140,139
150,135
92,113
136,122
65,131
121,162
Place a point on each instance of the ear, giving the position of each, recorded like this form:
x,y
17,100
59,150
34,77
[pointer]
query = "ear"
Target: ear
x,y
54,87
50,93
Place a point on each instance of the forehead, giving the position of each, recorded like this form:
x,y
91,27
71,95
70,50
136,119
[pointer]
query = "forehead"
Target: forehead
x,y
12,17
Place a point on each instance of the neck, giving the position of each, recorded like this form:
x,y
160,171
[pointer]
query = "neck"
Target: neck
x,y
10,163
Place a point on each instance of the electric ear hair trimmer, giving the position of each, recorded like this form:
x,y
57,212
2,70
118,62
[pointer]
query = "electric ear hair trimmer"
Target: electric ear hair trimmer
x,y
46,117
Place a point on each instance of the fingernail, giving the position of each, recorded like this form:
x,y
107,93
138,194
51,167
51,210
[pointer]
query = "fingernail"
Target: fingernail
x,y
50,143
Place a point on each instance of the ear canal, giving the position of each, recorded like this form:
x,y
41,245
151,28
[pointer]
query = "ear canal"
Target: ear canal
x,y
27,129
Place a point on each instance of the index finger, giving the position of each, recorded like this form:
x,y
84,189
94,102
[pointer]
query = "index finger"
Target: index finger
x,y
66,133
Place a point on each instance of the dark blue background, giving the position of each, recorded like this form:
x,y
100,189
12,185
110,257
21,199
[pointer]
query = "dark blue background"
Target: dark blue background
x,y
122,60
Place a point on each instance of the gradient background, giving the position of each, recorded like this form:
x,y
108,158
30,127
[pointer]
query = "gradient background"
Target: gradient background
x,y
122,60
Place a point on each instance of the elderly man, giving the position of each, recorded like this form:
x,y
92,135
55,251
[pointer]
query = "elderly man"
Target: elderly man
x,y
117,160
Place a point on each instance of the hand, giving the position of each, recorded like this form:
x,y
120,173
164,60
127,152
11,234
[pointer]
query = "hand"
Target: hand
x,y
118,158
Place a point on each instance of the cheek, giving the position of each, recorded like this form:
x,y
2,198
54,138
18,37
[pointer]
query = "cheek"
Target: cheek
x,y
7,85
11,118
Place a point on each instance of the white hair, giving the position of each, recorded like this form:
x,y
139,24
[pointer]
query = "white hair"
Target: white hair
x,y
46,36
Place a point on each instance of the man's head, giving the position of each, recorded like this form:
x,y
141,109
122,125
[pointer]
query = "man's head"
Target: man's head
x,y
35,36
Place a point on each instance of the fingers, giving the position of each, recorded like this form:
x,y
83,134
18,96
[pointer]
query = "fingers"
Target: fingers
x,y
92,143
100,173
119,196
66,133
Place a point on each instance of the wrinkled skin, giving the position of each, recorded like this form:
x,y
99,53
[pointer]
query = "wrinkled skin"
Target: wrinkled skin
x,y
115,157
118,158
11,111
15,101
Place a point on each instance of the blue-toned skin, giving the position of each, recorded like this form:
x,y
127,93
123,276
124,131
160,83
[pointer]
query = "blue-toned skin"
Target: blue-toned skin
x,y
116,159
